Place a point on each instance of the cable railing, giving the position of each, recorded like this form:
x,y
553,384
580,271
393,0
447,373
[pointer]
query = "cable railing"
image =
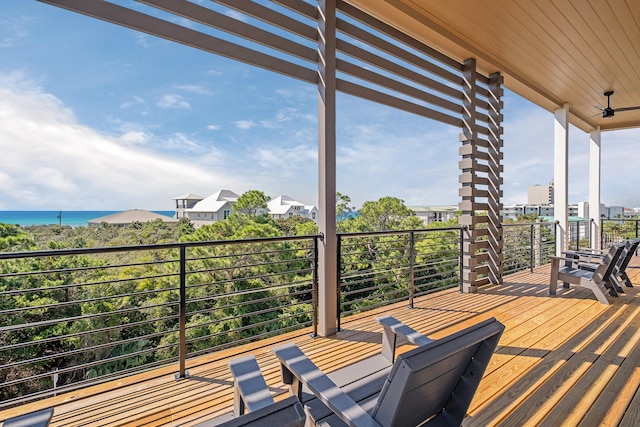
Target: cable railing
x,y
616,229
75,317
579,235
70,318
377,269
527,245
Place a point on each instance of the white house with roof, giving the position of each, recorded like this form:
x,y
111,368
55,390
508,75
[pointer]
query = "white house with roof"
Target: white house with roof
x,y
219,206
429,214
210,209
185,202
285,207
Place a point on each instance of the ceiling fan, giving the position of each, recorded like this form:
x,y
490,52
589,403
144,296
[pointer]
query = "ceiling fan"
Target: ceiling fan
x,y
610,112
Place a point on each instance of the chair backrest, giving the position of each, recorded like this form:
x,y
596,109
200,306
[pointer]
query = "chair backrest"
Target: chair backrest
x,y
608,263
422,381
628,253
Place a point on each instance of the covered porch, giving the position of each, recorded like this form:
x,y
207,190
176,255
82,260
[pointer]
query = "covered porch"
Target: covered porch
x,y
562,360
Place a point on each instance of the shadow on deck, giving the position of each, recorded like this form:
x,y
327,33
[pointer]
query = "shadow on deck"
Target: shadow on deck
x,y
562,360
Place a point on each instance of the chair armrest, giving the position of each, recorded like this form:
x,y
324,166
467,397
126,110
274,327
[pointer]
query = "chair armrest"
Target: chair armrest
x,y
297,370
593,251
249,388
589,255
392,329
39,418
562,258
285,413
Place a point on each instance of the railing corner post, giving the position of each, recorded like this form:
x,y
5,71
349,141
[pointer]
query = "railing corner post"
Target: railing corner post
x,y
183,373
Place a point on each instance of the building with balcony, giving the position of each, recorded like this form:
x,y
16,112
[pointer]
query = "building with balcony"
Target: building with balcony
x,y
184,203
429,214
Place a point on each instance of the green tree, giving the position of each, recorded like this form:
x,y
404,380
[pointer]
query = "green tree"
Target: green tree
x,y
251,202
13,238
290,226
343,210
388,213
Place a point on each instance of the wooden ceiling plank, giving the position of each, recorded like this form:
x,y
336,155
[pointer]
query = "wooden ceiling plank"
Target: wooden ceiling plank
x,y
561,33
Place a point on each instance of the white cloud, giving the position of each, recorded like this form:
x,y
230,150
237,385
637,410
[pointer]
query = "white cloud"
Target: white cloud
x,y
214,127
200,90
134,138
286,160
50,161
244,124
143,40
173,101
12,30
135,100
236,15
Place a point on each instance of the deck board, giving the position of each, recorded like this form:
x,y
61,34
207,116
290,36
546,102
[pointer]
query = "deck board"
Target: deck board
x,y
562,360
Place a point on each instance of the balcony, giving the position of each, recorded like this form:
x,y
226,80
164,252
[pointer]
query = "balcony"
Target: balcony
x,y
563,359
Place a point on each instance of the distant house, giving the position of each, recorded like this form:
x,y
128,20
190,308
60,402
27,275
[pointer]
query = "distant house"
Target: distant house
x,y
131,216
185,202
429,214
285,207
206,210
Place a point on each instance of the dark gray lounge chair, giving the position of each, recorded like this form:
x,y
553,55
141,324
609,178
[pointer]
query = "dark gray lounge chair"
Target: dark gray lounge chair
x,y
590,259
250,393
597,280
39,418
395,332
433,383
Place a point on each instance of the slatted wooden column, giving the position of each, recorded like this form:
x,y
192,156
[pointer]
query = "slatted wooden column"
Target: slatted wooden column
x,y
481,181
495,178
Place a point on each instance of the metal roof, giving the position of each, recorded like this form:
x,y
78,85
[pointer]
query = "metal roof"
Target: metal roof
x,y
130,216
549,52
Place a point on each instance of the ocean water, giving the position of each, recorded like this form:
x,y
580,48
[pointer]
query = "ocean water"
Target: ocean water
x,y
72,218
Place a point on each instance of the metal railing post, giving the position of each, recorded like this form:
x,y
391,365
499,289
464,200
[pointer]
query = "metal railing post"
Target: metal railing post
x,y
461,256
183,373
412,263
339,278
531,248
315,287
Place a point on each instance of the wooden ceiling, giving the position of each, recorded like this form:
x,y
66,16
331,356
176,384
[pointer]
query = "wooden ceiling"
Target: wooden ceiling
x,y
551,52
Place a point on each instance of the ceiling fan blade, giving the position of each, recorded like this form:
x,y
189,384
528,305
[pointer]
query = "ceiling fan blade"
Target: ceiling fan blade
x,y
627,108
599,107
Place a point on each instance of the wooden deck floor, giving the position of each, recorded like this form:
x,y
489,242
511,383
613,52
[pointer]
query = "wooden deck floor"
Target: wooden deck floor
x,y
563,360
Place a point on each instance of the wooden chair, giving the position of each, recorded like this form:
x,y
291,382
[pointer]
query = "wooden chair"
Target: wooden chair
x,y
431,384
597,281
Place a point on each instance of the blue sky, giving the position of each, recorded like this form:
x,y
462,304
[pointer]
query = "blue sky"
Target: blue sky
x,y
95,116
